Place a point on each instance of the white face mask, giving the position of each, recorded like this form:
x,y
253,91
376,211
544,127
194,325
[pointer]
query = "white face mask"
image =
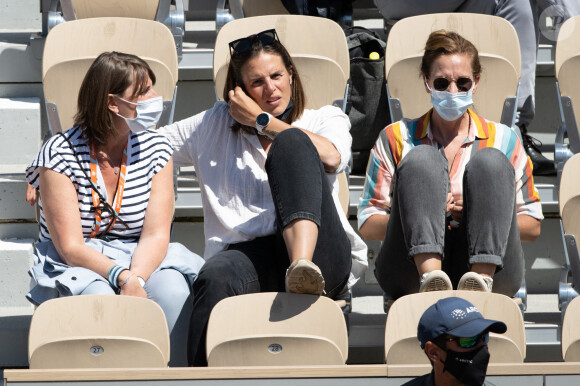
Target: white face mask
x,y
451,106
148,113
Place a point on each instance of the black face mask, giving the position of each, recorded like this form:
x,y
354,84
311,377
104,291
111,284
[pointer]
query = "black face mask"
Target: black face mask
x,y
286,112
468,367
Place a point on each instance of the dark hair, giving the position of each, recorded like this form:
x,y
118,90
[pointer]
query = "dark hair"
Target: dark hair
x,y
444,42
110,73
234,77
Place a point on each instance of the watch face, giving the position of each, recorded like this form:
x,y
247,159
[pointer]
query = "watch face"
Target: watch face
x,y
263,119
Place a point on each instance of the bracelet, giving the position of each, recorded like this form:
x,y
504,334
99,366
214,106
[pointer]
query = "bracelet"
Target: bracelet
x,y
113,275
126,280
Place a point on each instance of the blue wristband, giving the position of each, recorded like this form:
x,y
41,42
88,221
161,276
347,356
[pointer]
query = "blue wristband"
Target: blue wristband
x,y
113,275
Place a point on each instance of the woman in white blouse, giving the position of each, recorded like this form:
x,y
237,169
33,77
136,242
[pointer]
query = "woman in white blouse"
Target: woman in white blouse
x,y
267,172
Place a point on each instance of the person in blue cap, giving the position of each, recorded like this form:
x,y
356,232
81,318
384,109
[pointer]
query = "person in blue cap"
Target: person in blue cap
x,y
454,335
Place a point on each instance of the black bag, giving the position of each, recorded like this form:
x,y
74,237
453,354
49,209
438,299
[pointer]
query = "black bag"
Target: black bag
x,y
366,105
330,9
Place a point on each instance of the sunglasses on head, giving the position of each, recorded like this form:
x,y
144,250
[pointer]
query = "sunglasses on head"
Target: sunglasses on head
x,y
469,342
244,44
442,84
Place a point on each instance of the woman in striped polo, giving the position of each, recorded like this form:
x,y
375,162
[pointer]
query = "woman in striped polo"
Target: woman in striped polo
x,y
450,194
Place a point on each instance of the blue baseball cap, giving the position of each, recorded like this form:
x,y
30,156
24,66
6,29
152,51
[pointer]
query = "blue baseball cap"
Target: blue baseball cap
x,y
457,317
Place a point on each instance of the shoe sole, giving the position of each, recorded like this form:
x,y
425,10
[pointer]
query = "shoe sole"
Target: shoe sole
x,y
305,280
473,285
435,284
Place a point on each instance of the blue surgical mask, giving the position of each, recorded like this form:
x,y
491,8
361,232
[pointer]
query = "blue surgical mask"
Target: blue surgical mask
x,y
451,106
148,113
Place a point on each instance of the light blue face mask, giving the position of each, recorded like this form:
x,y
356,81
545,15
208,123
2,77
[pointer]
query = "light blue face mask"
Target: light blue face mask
x,y
148,114
451,106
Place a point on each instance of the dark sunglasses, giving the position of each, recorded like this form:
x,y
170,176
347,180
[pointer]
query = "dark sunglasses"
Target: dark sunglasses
x,y
244,44
469,342
442,84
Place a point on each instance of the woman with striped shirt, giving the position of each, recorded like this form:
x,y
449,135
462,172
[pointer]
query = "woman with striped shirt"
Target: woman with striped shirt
x,y
450,194
106,200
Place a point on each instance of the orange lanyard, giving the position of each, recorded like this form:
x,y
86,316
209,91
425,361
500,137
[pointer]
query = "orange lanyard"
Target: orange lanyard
x,y
118,195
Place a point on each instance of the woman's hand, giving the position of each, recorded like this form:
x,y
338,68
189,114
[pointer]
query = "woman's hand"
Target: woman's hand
x,y
132,287
31,195
457,210
449,204
243,108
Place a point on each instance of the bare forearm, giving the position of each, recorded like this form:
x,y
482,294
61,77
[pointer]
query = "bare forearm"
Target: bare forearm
x,y
375,228
148,255
529,227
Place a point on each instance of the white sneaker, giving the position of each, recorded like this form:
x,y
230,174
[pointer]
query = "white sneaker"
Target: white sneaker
x,y
435,280
473,281
304,277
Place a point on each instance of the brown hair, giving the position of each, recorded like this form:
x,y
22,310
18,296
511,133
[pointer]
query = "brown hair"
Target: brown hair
x,y
234,77
444,42
110,73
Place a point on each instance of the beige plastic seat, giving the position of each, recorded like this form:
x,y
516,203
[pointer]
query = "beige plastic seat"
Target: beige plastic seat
x,y
569,206
567,66
402,345
498,47
276,329
168,12
571,332
98,331
320,53
71,47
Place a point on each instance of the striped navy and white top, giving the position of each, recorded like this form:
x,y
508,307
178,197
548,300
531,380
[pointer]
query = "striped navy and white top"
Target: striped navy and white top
x,y
147,153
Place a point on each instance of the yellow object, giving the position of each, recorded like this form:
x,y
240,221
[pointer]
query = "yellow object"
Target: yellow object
x,y
374,55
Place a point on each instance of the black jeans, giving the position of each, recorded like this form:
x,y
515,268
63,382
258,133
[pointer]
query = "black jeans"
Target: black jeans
x,y
488,232
300,190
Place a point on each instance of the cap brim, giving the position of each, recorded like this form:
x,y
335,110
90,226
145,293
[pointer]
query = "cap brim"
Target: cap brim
x,y
477,326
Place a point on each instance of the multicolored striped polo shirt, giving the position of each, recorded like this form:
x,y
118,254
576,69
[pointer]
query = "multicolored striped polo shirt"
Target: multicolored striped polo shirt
x,y
399,138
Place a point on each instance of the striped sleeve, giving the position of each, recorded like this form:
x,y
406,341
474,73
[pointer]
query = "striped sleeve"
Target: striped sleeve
x,y
154,149
527,196
56,155
376,196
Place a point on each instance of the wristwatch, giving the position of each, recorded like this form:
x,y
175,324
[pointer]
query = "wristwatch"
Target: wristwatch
x,y
262,121
141,281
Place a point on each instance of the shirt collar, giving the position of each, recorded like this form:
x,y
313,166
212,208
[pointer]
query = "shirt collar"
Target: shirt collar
x,y
477,127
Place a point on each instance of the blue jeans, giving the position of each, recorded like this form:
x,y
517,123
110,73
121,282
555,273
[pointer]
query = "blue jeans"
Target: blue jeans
x,y
487,233
300,190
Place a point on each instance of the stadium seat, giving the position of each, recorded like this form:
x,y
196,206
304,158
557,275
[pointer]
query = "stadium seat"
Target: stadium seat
x,y
569,206
499,52
567,66
276,329
98,331
71,47
571,332
402,345
168,12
